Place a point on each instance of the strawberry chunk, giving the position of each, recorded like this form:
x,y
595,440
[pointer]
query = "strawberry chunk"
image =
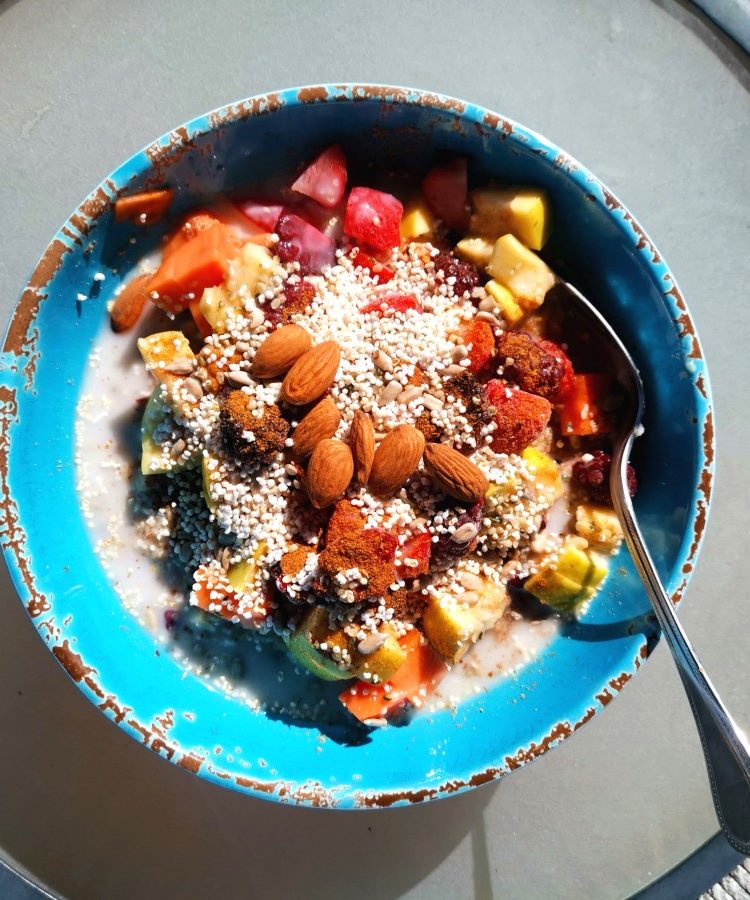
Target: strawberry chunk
x,y
374,218
375,268
480,342
262,214
446,191
324,180
520,417
392,303
303,243
567,378
417,547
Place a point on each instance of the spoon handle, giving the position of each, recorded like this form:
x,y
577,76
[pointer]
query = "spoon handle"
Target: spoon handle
x,y
725,747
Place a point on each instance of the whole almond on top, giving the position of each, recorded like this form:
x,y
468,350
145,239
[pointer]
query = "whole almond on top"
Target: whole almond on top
x,y
320,423
362,442
329,472
312,374
129,303
454,473
280,350
395,460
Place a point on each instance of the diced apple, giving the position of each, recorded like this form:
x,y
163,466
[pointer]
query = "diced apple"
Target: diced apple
x,y
525,275
453,626
477,250
505,301
418,220
213,306
252,267
155,457
523,212
599,525
571,580
159,352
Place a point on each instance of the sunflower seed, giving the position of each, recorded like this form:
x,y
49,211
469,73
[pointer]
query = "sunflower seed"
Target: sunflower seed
x,y
485,316
390,391
257,318
290,470
238,379
454,370
459,353
383,361
178,448
277,303
220,377
465,533
193,387
487,304
411,393
378,722
225,558
470,598
433,403
471,581
181,366
371,643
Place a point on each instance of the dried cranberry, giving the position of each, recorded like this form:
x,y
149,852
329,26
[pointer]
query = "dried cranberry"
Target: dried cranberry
x,y
445,551
170,618
466,275
593,476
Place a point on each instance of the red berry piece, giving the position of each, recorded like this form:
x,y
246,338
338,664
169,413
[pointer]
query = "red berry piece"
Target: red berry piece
x,y
373,218
324,180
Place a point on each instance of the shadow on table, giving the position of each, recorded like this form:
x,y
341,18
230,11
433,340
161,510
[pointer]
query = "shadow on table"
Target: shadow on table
x,y
98,800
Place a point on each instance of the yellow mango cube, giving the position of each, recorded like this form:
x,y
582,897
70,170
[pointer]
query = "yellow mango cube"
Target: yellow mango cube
x,y
506,303
525,274
599,525
477,250
522,212
417,221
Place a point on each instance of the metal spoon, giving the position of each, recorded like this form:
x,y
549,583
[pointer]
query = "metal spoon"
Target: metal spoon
x,y
725,747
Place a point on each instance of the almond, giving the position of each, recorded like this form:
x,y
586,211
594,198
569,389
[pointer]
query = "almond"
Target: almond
x,y
320,423
312,374
329,472
280,350
395,459
454,473
129,303
362,442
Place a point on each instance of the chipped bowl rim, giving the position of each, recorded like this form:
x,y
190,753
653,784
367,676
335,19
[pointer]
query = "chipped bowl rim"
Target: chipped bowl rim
x,y
18,355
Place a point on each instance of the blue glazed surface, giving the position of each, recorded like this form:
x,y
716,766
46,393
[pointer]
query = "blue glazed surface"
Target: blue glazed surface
x,y
48,549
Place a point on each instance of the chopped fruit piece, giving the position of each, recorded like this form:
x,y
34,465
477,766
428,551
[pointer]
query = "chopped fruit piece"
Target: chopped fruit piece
x,y
374,218
193,225
465,274
418,221
528,365
213,306
476,250
238,421
264,215
129,303
453,623
302,243
546,472
145,208
375,268
243,576
523,213
213,593
572,579
567,380
156,458
169,359
413,681
200,263
392,303
581,412
415,556
249,272
506,303
524,274
202,324
592,474
446,191
479,339
324,180
599,525
300,646
520,417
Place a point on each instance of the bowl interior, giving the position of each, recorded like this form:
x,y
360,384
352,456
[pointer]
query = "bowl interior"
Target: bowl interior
x,y
115,661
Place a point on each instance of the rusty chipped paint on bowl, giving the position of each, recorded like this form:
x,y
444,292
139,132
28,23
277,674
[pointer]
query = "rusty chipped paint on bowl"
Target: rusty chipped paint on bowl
x,y
598,244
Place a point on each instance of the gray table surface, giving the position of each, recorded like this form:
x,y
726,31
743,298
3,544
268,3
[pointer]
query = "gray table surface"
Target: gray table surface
x,y
655,101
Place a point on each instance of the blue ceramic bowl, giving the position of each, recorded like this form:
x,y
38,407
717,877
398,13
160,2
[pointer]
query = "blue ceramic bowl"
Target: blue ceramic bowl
x,y
595,241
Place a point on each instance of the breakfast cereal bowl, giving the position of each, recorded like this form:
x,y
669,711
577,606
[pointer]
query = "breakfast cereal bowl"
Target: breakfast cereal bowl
x,y
207,696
